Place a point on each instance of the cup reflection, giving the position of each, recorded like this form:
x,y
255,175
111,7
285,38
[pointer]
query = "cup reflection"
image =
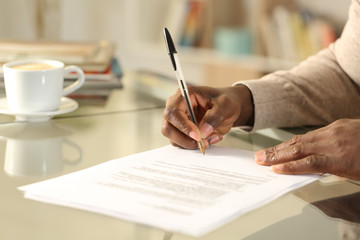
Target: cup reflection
x,y
36,149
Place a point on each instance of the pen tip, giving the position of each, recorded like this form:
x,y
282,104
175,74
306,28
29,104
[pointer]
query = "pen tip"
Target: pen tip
x,y
202,149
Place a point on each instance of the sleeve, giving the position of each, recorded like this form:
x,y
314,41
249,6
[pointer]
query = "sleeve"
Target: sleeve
x,y
321,89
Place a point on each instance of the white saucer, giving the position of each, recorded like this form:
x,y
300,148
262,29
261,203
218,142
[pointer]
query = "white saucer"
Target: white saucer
x,y
66,105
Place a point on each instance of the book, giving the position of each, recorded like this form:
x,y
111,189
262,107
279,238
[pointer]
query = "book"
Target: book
x,y
90,56
102,70
111,77
281,17
294,34
186,20
174,19
98,83
193,23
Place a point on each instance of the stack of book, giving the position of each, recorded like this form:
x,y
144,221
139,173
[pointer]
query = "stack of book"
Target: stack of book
x,y
102,69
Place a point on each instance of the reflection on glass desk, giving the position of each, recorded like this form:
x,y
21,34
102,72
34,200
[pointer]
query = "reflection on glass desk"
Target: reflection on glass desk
x,y
36,149
127,122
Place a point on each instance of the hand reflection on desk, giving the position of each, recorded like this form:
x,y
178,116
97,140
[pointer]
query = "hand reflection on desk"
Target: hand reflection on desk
x,y
36,149
346,208
339,218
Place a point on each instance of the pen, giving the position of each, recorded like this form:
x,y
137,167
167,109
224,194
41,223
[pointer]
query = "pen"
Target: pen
x,y
180,77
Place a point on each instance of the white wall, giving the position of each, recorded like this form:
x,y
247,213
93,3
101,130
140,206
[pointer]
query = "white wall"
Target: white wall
x,y
18,19
72,20
92,20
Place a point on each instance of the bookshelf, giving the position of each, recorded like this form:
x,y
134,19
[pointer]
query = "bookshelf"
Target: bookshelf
x,y
208,65
135,26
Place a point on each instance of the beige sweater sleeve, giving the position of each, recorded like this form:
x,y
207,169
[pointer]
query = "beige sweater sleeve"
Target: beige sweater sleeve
x,y
321,89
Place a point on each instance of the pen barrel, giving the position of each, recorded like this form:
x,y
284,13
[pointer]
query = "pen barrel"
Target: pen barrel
x,y
183,87
189,105
180,77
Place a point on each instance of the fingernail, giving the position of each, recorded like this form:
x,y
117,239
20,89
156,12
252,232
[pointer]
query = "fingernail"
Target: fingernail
x,y
215,139
206,143
277,168
206,129
194,136
260,156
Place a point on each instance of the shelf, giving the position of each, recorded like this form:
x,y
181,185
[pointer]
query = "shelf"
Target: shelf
x,y
201,66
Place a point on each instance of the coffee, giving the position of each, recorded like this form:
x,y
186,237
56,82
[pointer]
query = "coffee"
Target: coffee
x,y
33,66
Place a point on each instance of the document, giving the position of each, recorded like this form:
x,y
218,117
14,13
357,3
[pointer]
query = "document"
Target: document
x,y
170,188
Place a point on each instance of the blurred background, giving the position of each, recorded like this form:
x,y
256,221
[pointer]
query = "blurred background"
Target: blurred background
x,y
219,41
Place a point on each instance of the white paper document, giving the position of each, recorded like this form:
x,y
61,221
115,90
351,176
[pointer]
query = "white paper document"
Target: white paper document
x,y
170,188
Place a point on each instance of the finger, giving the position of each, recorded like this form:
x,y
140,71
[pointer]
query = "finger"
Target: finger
x,y
297,147
175,144
291,153
205,142
177,138
218,115
214,138
178,118
303,138
316,164
310,164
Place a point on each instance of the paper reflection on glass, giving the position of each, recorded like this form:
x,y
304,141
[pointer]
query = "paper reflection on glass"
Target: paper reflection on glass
x,y
36,149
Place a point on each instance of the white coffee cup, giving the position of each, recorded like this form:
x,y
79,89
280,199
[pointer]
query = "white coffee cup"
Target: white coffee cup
x,y
38,85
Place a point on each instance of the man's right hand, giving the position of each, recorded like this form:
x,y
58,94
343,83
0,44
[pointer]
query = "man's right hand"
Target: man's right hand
x,y
216,111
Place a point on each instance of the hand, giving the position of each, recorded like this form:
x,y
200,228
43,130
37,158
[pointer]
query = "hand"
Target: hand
x,y
216,111
332,149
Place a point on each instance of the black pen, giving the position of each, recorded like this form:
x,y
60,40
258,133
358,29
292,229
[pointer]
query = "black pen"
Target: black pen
x,y
180,77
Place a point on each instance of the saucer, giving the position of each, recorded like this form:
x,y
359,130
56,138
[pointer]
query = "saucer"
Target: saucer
x,y
66,105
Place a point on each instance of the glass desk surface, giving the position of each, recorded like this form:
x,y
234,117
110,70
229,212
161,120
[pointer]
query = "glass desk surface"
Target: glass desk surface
x,y
129,122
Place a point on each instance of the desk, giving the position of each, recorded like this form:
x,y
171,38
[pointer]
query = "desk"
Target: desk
x,y
126,123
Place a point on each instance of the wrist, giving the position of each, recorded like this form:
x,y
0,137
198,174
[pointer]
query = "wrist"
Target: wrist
x,y
243,96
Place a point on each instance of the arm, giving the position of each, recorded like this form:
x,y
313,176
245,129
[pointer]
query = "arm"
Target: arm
x,y
321,89
318,91
335,148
